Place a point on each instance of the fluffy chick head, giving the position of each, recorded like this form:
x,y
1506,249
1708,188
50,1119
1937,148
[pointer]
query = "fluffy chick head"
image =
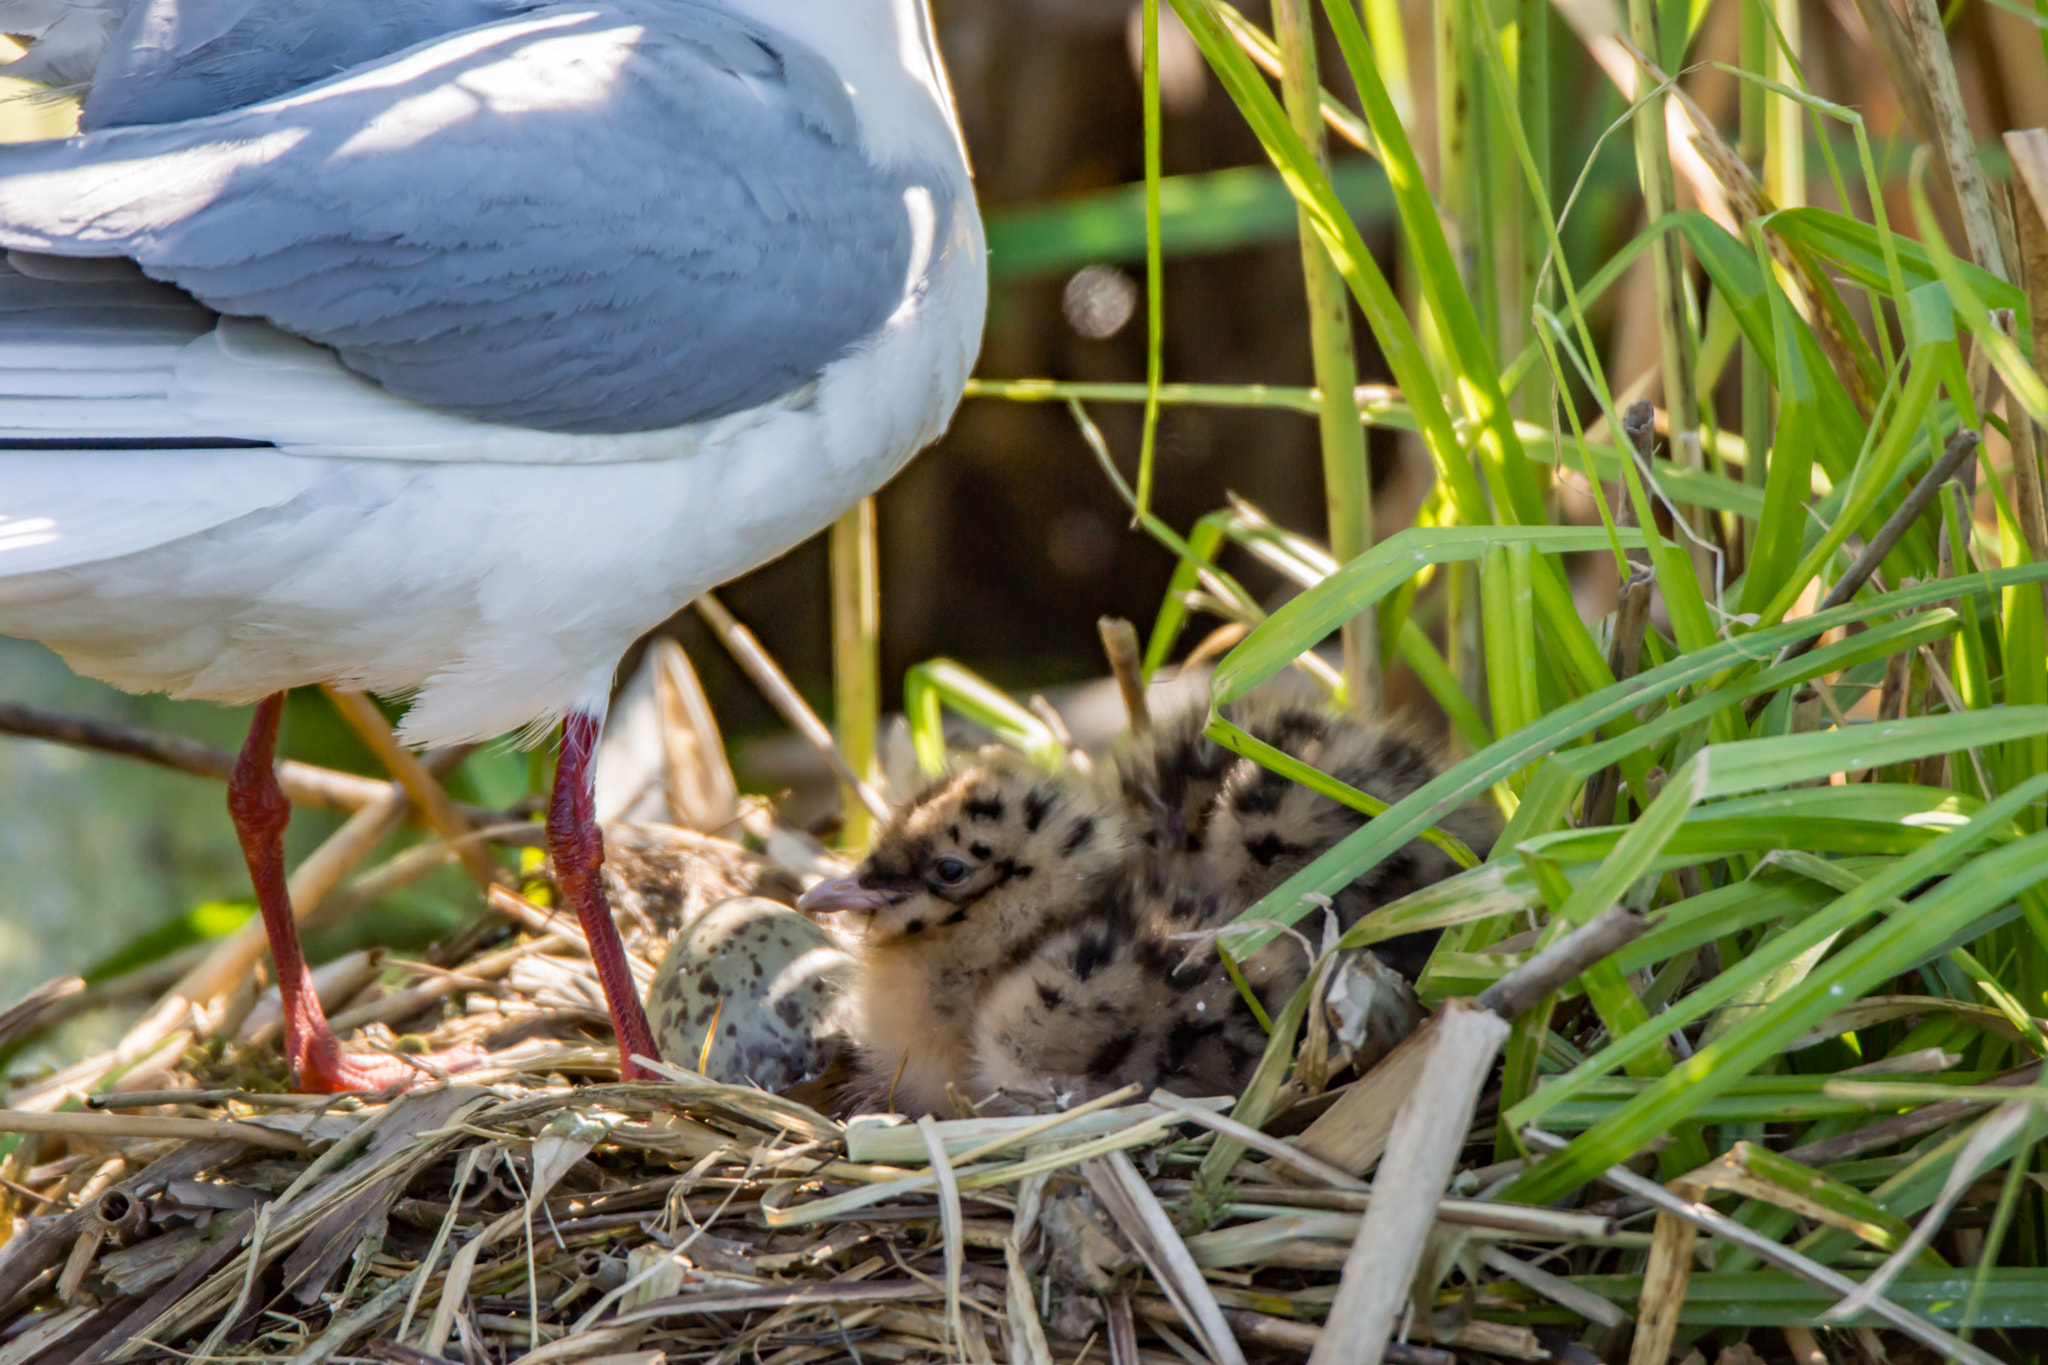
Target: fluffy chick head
x,y
991,846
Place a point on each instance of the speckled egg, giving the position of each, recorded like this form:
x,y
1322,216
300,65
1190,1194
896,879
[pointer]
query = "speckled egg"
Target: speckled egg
x,y
768,980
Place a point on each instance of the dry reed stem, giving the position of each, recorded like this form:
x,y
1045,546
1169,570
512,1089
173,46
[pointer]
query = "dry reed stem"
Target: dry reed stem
x,y
304,784
1730,1172
1557,1289
1990,1135
1665,1279
700,790
1126,665
1785,1258
760,667
1138,1215
1804,1347
442,815
1292,1156
1423,1148
1990,241
1352,1134
949,1222
26,1015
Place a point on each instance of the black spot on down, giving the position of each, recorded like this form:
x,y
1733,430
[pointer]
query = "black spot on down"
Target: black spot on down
x,y
1269,848
1091,953
1038,803
1113,1053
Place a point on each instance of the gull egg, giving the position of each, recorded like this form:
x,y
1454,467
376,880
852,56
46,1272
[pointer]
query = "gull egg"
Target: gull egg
x,y
764,983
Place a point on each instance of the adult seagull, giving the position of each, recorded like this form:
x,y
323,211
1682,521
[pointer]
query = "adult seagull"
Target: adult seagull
x,y
443,347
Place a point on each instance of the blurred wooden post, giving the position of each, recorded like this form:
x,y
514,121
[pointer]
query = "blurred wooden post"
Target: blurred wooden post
x,y
856,657
1347,489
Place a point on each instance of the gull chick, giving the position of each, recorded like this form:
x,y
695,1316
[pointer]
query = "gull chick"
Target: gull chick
x,y
968,882
1039,931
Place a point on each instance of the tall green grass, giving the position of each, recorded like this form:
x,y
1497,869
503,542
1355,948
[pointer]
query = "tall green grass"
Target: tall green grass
x,y
1820,835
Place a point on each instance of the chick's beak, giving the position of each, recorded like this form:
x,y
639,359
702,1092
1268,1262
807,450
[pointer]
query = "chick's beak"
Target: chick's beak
x,y
841,893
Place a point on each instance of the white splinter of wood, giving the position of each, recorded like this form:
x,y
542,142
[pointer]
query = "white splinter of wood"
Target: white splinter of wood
x,y
1422,1152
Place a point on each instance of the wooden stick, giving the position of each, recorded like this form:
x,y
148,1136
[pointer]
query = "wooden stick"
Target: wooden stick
x,y
1960,448
1990,240
1604,934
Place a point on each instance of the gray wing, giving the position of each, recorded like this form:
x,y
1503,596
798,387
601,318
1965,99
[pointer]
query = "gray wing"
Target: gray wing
x,y
172,60
606,217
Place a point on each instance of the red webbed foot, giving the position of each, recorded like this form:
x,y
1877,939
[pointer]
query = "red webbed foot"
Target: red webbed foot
x,y
328,1070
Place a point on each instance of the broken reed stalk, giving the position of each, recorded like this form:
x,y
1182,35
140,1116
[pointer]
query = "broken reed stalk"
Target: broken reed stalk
x,y
1665,1279
1423,1151
1127,666
1989,239
1563,961
1905,1127
26,1015
760,667
697,781
1137,1213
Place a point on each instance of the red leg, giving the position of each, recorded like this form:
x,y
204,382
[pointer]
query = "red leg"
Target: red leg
x,y
260,812
577,850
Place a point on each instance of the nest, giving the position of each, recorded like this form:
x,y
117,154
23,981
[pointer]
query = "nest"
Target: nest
x,y
170,1200
687,1219
528,1211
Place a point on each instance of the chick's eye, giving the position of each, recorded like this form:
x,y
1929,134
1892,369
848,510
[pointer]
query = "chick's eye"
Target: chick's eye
x,y
949,871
